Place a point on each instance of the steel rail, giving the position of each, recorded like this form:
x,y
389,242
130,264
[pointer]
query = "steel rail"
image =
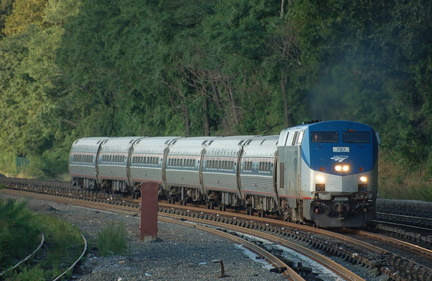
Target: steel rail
x,y
397,242
26,258
291,225
405,226
75,263
404,216
272,259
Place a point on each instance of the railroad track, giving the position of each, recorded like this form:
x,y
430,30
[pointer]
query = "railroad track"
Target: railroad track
x,y
416,235
419,223
320,259
219,228
414,213
367,255
278,264
331,243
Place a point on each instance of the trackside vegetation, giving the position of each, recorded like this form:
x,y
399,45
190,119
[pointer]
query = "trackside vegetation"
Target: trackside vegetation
x,y
112,239
75,68
20,234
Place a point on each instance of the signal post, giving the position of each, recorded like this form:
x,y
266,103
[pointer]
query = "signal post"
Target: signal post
x,y
149,211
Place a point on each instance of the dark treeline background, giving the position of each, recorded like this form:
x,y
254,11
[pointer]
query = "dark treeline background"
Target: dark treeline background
x,y
74,68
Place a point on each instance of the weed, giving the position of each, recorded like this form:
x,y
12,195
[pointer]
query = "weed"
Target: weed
x,y
112,239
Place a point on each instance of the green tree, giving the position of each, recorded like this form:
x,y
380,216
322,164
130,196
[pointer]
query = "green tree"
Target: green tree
x,y
30,84
5,10
412,70
23,14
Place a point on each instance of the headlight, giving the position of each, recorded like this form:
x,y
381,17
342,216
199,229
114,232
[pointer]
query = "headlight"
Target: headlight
x,y
342,168
363,179
320,179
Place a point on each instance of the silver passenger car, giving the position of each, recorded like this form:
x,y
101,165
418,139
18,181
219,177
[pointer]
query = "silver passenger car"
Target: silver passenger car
x,y
147,163
221,169
183,165
113,161
83,167
258,173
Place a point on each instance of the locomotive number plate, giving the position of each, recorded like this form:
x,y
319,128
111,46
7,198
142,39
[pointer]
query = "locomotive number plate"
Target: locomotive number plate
x,y
341,149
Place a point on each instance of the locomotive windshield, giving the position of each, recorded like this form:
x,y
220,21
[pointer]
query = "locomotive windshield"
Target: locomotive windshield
x,y
356,137
325,137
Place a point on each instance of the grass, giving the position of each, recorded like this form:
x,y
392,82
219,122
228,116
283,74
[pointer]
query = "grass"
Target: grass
x,y
20,235
112,239
396,181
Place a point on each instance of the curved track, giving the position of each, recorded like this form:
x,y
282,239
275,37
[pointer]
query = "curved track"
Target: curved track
x,y
26,258
376,258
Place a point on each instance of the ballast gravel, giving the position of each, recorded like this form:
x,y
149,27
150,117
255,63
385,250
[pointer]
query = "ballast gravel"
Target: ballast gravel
x,y
178,253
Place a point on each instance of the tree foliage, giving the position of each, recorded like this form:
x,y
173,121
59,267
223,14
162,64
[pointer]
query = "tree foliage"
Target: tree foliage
x,y
73,68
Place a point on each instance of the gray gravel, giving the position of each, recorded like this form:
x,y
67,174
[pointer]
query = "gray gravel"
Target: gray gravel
x,y
179,253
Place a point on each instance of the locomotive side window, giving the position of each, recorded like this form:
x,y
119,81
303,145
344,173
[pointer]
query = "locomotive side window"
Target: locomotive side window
x,y
356,137
325,136
294,138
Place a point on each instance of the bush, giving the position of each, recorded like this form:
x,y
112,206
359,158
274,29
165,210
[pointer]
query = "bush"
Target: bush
x,y
18,235
112,239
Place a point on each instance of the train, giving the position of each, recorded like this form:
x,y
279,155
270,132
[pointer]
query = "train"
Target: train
x,y
324,173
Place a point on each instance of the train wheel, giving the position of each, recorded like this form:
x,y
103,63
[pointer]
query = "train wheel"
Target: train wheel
x,y
287,214
210,205
92,185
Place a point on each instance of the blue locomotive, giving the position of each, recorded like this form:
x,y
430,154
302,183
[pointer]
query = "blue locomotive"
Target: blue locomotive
x,y
323,172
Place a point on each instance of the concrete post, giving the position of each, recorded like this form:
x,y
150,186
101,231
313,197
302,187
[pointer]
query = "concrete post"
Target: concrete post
x,y
149,211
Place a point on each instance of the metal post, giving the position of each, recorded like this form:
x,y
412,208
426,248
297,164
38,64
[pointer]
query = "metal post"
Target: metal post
x,y
149,211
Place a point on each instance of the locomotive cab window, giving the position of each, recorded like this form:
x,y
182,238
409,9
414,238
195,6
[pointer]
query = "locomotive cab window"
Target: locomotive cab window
x,y
325,137
297,138
356,137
